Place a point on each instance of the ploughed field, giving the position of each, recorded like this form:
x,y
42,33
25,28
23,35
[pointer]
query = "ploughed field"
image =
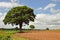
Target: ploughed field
x,y
39,35
30,35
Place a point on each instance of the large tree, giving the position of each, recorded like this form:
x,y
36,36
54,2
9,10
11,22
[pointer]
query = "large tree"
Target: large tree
x,y
19,15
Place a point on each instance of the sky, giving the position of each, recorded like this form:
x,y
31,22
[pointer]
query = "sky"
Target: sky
x,y
47,12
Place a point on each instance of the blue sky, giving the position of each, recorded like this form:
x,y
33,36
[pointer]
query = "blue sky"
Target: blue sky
x,y
47,11
35,4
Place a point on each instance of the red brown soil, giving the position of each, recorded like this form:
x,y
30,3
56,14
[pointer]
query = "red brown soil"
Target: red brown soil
x,y
40,35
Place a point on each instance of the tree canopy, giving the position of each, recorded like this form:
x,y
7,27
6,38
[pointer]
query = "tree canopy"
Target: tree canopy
x,y
19,15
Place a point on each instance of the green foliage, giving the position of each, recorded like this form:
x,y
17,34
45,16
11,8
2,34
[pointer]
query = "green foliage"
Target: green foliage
x,y
8,38
7,35
5,38
47,28
16,28
19,14
32,26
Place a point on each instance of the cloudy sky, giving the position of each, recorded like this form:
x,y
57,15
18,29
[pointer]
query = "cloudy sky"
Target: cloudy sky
x,y
47,12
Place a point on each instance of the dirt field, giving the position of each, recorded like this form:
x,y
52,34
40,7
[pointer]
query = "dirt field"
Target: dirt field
x,y
40,35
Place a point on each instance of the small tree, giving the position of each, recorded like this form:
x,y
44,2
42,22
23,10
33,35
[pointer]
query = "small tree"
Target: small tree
x,y
47,28
32,26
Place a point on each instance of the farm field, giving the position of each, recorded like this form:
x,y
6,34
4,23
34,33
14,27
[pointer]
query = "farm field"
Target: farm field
x,y
40,35
31,34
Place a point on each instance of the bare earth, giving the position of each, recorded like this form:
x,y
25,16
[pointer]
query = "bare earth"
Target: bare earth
x,y
40,35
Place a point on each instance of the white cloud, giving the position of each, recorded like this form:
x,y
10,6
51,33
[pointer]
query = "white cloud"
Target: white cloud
x,y
45,20
51,5
48,18
54,10
0,14
13,3
5,4
8,4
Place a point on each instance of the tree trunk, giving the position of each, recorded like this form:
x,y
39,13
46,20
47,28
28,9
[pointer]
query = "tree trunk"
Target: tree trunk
x,y
20,26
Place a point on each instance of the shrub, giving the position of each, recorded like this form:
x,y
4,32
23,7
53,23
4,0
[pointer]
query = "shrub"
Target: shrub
x,y
32,26
47,28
